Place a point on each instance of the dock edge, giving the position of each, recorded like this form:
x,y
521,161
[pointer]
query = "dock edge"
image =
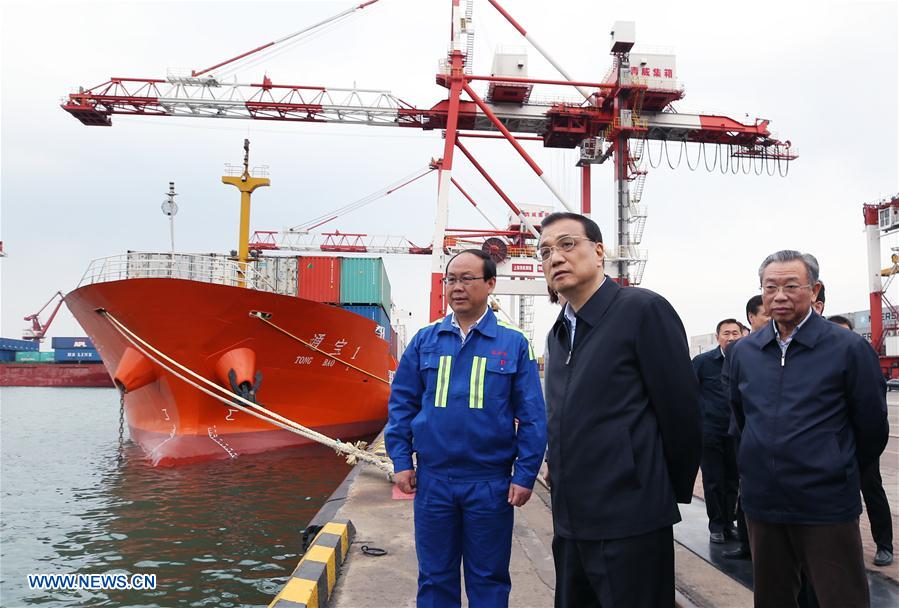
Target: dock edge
x,y
313,580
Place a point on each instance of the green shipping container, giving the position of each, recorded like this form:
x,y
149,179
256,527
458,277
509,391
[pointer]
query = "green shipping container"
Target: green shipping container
x,y
28,356
46,355
364,281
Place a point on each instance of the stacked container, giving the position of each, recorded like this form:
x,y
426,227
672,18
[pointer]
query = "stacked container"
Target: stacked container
x,y
318,279
8,344
364,281
365,290
10,350
279,274
376,314
74,350
80,342
358,285
76,355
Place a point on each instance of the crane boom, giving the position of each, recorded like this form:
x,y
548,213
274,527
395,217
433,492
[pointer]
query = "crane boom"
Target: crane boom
x,y
38,330
562,125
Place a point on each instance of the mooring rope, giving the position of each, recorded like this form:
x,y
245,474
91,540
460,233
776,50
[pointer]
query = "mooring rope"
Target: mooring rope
x,y
353,451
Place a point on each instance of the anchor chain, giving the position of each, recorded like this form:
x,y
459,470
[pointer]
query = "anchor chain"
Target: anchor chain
x,y
121,453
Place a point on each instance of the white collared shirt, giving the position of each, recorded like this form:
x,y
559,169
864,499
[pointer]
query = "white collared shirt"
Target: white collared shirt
x,y
465,335
785,343
572,318
572,323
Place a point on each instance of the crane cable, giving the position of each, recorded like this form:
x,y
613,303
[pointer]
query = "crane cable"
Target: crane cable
x,y
739,159
353,451
269,50
362,202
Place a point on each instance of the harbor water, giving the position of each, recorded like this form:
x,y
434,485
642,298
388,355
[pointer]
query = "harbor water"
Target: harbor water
x,y
222,533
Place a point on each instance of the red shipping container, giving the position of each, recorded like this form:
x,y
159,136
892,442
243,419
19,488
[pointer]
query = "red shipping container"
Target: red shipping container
x,y
318,279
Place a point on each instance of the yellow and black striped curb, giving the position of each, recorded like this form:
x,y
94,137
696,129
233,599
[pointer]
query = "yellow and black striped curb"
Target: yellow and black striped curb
x,y
312,582
378,448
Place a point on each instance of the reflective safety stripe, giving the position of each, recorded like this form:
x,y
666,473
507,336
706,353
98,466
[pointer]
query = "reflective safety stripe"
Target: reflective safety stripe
x,y
443,380
519,330
476,387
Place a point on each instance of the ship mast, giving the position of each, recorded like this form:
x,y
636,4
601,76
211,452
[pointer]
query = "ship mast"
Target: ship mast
x,y
246,185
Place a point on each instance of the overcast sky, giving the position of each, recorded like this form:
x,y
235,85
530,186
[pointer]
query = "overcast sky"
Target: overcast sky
x,y
824,73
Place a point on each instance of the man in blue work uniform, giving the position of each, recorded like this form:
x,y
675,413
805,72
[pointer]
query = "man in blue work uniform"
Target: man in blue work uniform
x,y
460,386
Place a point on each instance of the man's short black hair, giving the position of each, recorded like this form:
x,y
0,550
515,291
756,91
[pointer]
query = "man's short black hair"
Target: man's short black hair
x,y
841,320
553,295
753,305
489,264
727,322
591,228
821,293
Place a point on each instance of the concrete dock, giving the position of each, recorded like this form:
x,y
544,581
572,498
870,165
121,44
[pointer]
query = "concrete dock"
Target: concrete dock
x,y
703,577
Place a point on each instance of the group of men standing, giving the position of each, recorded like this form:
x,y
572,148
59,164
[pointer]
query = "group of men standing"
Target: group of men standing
x,y
813,429
626,434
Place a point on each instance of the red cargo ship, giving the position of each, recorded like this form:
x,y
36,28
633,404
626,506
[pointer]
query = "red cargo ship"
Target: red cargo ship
x,y
197,311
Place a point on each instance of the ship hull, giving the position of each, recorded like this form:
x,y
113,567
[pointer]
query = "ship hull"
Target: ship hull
x,y
201,326
54,375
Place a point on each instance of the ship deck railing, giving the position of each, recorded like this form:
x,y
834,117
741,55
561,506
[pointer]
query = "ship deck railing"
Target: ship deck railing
x,y
216,269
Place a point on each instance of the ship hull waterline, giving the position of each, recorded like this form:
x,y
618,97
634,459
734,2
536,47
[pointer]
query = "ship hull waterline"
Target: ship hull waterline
x,y
200,325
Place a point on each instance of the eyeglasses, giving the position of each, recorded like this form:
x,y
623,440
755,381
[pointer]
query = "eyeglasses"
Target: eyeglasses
x,y
789,290
466,280
564,245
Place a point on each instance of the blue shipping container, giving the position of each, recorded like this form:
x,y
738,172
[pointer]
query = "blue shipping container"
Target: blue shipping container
x,y
7,355
376,314
74,355
10,344
72,343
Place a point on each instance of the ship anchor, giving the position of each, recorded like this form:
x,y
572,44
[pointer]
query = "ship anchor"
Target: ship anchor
x,y
247,390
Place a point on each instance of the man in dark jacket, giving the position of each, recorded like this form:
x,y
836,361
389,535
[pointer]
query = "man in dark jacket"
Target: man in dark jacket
x,y
810,402
625,429
720,480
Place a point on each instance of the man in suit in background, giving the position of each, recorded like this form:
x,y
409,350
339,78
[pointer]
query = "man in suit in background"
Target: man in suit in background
x,y
625,429
757,319
719,457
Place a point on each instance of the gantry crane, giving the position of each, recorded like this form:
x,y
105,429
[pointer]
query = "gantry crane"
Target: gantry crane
x,y
612,118
882,217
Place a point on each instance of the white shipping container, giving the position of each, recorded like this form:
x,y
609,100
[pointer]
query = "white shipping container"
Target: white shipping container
x,y
891,343
278,274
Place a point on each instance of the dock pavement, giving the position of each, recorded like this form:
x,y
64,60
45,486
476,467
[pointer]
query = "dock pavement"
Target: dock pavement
x,y
704,579
390,581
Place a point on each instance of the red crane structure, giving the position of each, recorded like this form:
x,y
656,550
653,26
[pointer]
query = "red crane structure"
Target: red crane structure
x,y
612,118
882,217
38,330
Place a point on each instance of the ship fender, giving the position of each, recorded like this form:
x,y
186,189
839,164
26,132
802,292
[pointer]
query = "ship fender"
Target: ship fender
x,y
236,369
134,371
